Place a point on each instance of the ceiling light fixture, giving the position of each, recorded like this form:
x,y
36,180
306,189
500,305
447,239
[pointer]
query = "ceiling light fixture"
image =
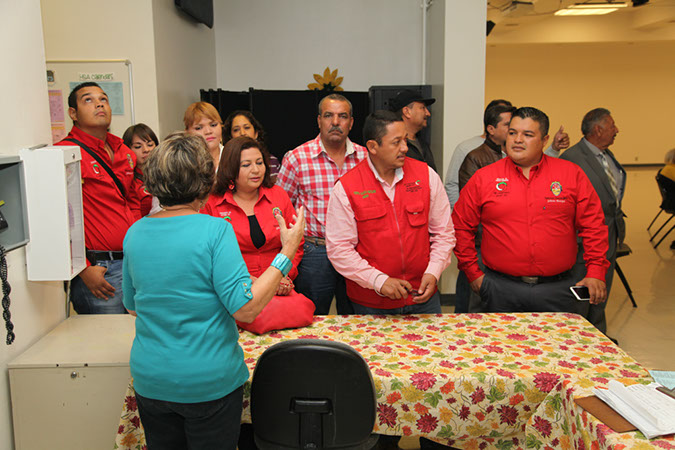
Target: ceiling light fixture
x,y
590,9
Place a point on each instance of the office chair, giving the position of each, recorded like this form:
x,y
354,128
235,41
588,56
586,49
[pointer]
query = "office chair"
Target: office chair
x,y
312,394
624,250
667,190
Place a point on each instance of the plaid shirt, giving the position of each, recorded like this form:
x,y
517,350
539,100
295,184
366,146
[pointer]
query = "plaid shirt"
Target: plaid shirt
x,y
308,175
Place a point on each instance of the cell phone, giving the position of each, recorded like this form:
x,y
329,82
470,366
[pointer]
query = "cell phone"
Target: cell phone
x,y
580,293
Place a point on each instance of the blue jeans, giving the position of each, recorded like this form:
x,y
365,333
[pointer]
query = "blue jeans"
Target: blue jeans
x,y
431,306
85,302
205,425
320,282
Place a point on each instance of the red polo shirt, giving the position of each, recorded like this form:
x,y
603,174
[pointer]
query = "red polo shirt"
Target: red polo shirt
x,y
530,225
270,201
107,214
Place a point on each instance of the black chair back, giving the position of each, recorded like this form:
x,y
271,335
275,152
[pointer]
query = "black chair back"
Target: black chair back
x,y
667,189
312,394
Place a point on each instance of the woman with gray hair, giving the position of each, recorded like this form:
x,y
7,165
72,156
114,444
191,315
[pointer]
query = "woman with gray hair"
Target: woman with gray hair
x,y
186,281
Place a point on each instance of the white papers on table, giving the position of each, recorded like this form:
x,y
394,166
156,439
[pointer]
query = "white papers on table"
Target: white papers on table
x,y
664,378
650,411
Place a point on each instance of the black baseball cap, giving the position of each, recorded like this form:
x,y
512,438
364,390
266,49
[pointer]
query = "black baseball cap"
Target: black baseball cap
x,y
406,97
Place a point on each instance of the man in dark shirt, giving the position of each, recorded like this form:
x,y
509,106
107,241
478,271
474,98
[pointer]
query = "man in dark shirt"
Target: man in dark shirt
x,y
412,108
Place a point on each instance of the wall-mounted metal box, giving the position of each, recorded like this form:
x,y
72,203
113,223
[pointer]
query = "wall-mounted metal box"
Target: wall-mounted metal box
x,y
54,198
13,194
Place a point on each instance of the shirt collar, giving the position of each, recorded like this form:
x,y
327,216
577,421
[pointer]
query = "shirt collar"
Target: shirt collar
x,y
228,197
595,150
320,148
95,143
534,169
398,174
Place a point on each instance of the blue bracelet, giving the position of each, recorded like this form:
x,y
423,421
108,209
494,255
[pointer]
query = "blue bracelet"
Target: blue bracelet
x,y
282,263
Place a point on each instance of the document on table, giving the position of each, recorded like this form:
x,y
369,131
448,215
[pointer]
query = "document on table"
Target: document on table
x,y
652,412
664,378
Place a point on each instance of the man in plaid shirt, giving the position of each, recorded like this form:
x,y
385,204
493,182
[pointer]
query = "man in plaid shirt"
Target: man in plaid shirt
x,y
308,174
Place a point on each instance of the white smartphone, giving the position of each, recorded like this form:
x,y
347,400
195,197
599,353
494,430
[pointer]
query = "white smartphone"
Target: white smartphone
x,y
580,293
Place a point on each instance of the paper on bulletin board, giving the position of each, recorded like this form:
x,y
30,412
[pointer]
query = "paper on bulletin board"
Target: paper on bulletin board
x,y
115,92
57,115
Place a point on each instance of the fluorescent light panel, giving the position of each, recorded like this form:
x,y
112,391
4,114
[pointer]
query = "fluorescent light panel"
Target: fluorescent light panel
x,y
590,9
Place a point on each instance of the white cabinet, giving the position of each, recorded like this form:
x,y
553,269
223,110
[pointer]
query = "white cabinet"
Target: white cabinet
x,y
54,199
68,389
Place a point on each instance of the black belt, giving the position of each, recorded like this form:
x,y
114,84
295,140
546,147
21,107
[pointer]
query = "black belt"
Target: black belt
x,y
535,280
103,255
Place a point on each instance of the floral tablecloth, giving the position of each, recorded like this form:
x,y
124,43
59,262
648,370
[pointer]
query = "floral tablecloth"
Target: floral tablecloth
x,y
472,381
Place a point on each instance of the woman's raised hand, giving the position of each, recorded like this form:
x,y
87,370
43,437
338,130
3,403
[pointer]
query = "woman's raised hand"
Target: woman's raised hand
x,y
291,237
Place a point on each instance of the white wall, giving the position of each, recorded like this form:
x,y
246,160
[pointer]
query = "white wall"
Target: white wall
x,y
122,29
185,60
267,44
24,121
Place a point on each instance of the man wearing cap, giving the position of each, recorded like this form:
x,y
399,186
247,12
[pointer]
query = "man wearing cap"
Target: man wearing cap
x,y
412,108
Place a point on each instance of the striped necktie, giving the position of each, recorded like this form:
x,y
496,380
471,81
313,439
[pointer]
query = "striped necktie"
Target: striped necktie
x,y
610,175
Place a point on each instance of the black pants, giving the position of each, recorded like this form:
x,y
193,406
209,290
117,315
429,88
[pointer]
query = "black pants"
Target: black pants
x,y
206,425
502,294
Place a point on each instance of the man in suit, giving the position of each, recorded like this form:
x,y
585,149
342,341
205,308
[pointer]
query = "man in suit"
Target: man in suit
x,y
608,178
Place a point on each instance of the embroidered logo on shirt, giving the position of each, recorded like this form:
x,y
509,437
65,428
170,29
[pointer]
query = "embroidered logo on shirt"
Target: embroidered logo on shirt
x,y
413,186
226,215
96,169
131,162
365,194
276,211
501,185
556,188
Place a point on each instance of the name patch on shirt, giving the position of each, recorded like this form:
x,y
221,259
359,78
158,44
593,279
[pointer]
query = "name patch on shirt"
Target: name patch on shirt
x,y
365,194
413,186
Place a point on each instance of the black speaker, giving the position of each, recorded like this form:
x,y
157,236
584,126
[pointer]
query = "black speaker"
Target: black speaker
x,y
199,10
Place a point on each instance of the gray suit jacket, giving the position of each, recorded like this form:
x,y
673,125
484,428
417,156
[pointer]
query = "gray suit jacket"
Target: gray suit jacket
x,y
582,155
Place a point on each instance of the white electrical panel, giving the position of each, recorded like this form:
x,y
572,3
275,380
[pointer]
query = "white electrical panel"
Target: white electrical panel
x,y
56,248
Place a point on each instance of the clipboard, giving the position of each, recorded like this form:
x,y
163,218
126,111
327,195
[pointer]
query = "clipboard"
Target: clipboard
x,y
605,414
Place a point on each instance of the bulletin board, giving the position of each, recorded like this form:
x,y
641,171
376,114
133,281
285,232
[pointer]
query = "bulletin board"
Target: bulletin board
x,y
115,76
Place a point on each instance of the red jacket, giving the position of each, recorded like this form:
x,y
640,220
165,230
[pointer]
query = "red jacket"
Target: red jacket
x,y
144,196
257,260
107,214
393,238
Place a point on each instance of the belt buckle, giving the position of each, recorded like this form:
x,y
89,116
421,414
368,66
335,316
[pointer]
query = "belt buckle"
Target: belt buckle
x,y
530,280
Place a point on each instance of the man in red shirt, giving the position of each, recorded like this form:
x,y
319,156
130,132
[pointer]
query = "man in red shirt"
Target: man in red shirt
x,y
531,208
110,204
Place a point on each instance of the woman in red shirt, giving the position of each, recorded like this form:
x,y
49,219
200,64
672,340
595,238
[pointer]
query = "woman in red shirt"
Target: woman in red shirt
x,y
245,196
142,140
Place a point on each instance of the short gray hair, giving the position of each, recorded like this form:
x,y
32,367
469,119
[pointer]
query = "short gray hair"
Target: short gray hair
x,y
337,98
592,118
670,156
180,170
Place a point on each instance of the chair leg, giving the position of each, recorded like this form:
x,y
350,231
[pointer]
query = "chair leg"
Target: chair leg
x,y
662,227
665,235
625,284
657,216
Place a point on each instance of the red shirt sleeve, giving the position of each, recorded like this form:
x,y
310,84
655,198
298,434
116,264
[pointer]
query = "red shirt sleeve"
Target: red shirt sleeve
x,y
466,218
